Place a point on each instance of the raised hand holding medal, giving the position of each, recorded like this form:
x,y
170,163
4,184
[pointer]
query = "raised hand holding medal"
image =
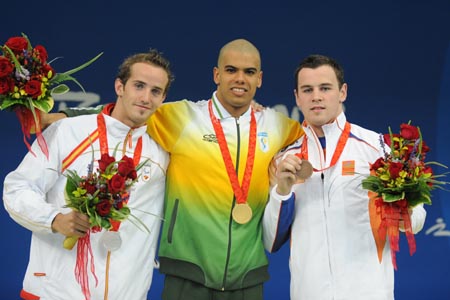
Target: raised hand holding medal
x,y
306,170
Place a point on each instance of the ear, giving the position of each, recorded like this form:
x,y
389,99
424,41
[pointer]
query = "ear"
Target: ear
x,y
343,93
297,99
216,75
260,79
119,87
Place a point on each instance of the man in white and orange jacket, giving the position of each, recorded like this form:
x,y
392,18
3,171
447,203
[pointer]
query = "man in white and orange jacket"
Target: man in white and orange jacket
x,y
333,251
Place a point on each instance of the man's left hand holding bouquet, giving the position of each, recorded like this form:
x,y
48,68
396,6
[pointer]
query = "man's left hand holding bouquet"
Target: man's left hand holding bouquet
x,y
72,224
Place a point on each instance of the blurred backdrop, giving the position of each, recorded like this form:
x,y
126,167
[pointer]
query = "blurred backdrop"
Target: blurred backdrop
x,y
395,54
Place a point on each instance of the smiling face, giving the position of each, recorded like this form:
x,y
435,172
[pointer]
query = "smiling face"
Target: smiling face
x,y
141,95
319,97
237,76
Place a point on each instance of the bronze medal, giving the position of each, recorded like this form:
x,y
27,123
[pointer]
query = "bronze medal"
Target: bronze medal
x,y
242,213
305,171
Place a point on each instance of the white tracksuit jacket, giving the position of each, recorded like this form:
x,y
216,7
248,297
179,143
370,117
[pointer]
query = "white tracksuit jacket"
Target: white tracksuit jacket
x,y
33,196
333,252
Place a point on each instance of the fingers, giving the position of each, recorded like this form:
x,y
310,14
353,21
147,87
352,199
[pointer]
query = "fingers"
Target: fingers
x,y
290,165
286,174
257,106
71,224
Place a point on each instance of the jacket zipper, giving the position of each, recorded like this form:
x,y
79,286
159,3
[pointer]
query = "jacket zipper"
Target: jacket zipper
x,y
230,223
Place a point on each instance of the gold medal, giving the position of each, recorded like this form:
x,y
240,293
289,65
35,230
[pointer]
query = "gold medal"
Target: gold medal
x,y
242,213
305,171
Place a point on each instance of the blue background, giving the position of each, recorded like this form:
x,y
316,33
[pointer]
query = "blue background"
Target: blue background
x,y
396,56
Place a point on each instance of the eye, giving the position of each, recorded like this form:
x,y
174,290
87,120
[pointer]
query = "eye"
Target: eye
x,y
325,88
139,85
250,71
230,70
157,92
307,90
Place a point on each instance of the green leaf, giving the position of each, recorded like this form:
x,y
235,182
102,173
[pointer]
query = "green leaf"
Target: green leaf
x,y
83,65
8,102
60,89
392,197
44,105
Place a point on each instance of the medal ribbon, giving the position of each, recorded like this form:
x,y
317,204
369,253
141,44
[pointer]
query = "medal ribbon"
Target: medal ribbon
x,y
337,152
103,139
240,192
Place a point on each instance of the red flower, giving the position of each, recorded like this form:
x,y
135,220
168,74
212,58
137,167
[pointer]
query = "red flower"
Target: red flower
x,y
428,170
89,186
387,139
41,53
119,205
33,88
46,68
6,67
379,163
126,166
132,175
116,184
6,85
425,148
395,168
105,161
17,44
103,208
409,132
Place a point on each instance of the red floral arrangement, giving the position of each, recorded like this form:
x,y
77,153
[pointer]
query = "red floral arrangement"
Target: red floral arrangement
x,y
399,181
27,82
103,196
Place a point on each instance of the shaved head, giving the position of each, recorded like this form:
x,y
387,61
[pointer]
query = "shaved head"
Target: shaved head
x,y
242,46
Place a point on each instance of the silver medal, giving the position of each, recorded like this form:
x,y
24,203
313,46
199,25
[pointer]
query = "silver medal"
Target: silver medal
x,y
111,240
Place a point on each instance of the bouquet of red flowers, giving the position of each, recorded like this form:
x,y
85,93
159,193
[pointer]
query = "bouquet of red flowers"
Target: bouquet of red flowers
x,y
27,82
103,196
399,181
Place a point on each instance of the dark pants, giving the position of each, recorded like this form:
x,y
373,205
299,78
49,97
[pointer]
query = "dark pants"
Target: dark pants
x,y
176,288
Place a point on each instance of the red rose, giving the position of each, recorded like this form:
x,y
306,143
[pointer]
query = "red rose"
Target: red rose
x,y
17,44
105,161
116,184
395,168
125,166
103,208
90,187
6,85
6,67
132,175
33,88
409,132
387,139
428,170
119,205
425,148
379,163
41,53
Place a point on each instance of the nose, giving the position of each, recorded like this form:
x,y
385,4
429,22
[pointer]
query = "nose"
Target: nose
x,y
146,96
240,76
317,95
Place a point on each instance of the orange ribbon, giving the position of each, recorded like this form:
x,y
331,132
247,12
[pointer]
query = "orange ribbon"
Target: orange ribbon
x,y
385,220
